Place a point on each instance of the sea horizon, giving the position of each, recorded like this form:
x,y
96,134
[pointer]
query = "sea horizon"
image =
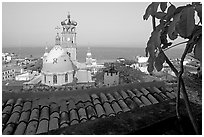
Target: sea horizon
x,y
99,53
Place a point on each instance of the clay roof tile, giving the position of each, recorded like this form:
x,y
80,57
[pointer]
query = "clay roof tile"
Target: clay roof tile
x,y
130,103
55,115
158,97
34,115
145,100
53,123
5,118
20,128
9,129
130,93
152,99
19,102
94,96
44,113
124,107
42,127
27,106
99,110
144,91
31,128
103,98
10,102
82,114
64,118
116,107
17,109
138,102
7,110
24,116
73,115
124,94
90,112
71,105
64,125
14,118
117,96
137,92
171,96
108,109
110,98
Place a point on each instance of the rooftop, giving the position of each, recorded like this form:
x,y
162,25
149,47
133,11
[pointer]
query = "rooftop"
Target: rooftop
x,y
35,113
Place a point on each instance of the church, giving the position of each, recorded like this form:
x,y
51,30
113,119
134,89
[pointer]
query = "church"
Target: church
x,y
60,65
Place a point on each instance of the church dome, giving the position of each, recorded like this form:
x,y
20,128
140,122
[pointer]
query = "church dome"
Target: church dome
x,y
88,54
45,54
57,61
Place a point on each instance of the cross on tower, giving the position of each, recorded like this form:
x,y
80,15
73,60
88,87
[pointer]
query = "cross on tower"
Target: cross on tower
x,y
57,28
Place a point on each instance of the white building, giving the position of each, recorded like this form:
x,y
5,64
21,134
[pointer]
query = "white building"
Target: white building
x,y
111,76
6,57
60,65
25,76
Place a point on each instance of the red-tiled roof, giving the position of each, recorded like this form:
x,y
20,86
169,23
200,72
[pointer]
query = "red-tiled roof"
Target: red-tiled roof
x,y
42,114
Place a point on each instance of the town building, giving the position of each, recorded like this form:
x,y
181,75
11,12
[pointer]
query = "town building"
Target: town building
x,y
111,76
9,71
60,65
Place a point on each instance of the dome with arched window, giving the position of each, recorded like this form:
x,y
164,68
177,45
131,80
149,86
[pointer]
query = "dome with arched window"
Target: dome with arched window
x,y
57,69
57,60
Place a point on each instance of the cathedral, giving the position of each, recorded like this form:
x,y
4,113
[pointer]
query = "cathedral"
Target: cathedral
x,y
60,65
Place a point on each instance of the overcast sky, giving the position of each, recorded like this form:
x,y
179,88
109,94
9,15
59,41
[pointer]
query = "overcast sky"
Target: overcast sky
x,y
99,24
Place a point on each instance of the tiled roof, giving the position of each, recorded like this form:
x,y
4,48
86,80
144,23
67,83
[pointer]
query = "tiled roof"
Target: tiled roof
x,y
43,114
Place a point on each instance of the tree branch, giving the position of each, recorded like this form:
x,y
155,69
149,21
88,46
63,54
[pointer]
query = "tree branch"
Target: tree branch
x,y
153,22
175,45
185,96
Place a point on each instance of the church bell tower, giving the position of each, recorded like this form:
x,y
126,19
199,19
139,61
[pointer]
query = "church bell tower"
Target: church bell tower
x,y
68,37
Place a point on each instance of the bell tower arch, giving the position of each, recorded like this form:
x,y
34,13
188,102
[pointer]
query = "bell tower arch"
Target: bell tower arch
x,y
68,36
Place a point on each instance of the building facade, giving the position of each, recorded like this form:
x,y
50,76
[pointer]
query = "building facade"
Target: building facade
x,y
111,76
60,65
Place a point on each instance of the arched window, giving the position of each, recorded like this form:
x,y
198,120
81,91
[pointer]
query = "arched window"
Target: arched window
x,y
45,78
54,79
66,77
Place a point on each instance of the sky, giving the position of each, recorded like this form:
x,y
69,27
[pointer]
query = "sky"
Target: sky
x,y
99,24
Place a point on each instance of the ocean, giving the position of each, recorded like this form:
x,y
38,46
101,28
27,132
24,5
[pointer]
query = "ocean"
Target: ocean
x,y
99,53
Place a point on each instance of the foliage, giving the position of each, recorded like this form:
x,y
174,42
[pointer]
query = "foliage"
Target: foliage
x,y
174,22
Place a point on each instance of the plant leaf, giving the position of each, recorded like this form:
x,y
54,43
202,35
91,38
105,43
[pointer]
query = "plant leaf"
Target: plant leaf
x,y
179,9
148,12
151,10
171,30
159,60
198,50
159,15
198,8
163,6
186,23
155,7
170,12
150,66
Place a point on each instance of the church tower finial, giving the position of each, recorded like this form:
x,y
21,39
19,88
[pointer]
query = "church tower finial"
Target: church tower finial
x,y
68,15
57,39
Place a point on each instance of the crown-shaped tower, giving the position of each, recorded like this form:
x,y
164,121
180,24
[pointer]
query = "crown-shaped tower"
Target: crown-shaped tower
x,y
69,36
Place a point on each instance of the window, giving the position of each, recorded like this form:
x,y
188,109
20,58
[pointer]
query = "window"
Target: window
x,y
45,78
54,60
54,79
69,54
66,77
